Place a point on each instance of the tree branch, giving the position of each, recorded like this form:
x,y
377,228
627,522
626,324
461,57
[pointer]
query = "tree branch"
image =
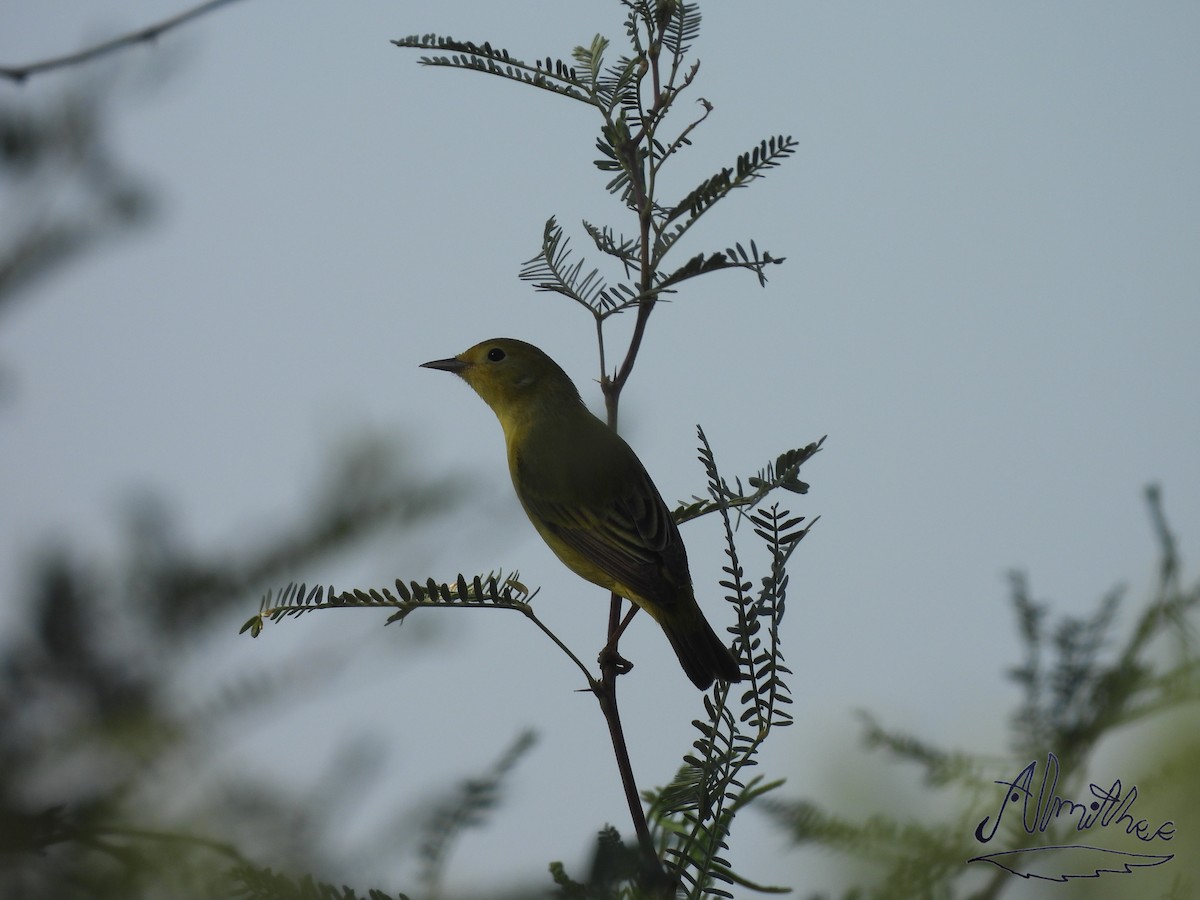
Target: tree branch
x,y
142,36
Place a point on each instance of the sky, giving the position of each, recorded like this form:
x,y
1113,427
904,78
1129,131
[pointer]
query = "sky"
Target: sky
x,y
989,305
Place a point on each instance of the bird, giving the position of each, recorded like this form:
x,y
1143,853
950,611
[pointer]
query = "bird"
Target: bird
x,y
590,498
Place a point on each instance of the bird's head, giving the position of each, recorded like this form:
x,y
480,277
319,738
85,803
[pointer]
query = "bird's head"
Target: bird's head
x,y
510,375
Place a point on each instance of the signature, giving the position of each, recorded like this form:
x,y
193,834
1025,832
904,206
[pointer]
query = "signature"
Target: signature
x,y
1109,807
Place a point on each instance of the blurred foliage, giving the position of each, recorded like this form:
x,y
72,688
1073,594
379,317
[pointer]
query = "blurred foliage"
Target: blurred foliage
x,y
94,743
1082,684
64,191
105,791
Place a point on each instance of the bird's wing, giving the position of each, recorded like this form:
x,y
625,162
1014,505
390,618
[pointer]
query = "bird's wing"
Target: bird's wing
x,y
632,539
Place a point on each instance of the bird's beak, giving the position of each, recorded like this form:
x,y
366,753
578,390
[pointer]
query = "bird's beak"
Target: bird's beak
x,y
453,364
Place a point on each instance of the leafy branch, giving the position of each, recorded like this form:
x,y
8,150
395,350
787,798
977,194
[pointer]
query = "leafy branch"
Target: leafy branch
x,y
633,96
494,590
691,817
491,591
552,75
783,473
552,271
749,167
694,813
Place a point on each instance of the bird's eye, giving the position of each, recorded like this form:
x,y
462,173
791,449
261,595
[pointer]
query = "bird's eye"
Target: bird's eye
x,y
495,354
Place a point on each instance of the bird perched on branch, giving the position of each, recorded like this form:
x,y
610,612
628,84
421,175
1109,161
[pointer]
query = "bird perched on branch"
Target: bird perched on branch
x,y
589,497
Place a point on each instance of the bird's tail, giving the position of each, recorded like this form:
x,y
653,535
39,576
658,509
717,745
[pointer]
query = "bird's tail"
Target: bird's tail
x,y
702,654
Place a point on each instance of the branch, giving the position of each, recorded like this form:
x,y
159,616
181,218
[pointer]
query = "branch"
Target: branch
x,y
143,36
552,75
749,167
783,473
492,591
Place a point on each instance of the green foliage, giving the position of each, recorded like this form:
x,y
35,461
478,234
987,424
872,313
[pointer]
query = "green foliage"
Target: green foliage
x,y
553,271
494,590
1083,695
96,736
465,808
616,869
1080,685
550,74
783,473
47,150
633,97
692,816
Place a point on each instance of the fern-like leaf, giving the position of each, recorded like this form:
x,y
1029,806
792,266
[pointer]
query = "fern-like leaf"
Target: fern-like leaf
x,y
704,195
552,75
494,591
751,165
552,270
693,814
681,28
735,257
627,250
783,473
622,155
591,59
617,86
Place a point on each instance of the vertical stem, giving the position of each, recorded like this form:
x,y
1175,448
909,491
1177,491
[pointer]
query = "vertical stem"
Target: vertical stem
x,y
607,692
607,696
610,663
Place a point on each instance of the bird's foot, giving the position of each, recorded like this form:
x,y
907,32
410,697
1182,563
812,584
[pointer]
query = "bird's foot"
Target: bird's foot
x,y
610,657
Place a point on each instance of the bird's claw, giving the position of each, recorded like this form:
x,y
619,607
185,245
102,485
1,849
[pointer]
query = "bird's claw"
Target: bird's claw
x,y
610,657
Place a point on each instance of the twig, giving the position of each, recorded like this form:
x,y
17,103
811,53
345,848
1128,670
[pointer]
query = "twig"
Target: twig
x,y
142,36
606,694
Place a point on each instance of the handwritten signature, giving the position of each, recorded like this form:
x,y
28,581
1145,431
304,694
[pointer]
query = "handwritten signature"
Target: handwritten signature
x,y
1112,806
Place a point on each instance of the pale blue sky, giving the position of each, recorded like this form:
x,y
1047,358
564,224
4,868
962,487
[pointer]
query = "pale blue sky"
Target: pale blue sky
x,y
990,305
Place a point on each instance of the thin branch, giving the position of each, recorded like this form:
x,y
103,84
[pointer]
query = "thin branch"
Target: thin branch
x,y
606,694
142,36
682,140
529,614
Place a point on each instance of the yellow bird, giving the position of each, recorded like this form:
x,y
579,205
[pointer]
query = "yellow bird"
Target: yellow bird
x,y
589,497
